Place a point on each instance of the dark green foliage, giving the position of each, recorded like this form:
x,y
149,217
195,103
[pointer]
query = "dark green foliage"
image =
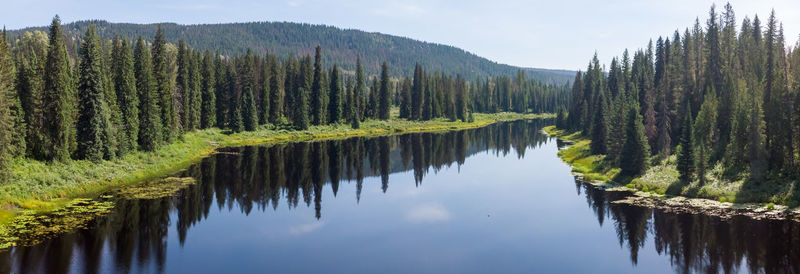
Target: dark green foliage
x,y
275,93
417,93
704,132
59,99
150,127
163,87
686,157
405,98
30,55
248,102
635,152
235,119
358,93
384,97
300,110
127,96
318,95
208,116
94,138
599,134
283,38
335,89
7,94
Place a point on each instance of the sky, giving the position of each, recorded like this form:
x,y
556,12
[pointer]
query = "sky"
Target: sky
x,y
554,34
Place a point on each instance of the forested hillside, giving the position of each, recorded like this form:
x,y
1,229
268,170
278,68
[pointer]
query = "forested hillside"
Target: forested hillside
x,y
126,94
342,46
720,98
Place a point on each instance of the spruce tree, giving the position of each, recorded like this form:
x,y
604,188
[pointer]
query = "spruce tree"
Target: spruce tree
x,y
635,152
195,99
150,127
248,102
30,53
599,144
208,117
318,97
335,104
164,87
127,97
686,157
300,109
384,98
359,90
235,122
7,95
59,98
275,93
417,93
182,86
94,118
263,102
405,98
704,131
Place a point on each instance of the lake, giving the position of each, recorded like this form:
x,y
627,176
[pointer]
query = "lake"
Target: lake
x,y
489,200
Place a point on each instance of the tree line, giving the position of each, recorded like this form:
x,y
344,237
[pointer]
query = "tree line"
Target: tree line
x,y
117,96
711,95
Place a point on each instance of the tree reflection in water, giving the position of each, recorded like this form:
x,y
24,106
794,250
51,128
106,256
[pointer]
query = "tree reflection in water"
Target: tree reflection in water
x,y
134,237
700,243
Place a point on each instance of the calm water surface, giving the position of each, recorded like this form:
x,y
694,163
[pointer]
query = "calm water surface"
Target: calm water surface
x,y
489,200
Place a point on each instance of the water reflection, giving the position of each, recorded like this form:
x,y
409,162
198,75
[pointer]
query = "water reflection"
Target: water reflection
x,y
697,243
261,178
297,176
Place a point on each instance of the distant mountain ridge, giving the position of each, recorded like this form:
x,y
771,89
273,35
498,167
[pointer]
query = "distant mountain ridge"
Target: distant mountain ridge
x,y
340,46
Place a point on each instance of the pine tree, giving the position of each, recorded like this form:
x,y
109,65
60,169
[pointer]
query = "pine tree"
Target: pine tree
x,y
7,94
417,93
704,132
208,117
183,88
335,104
248,102
163,87
405,98
59,98
384,98
599,144
93,128
300,109
127,97
359,91
635,152
275,93
150,127
30,53
663,140
236,121
195,99
686,157
263,102
318,97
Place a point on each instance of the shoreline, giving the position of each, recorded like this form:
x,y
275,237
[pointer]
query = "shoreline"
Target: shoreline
x,y
41,187
669,203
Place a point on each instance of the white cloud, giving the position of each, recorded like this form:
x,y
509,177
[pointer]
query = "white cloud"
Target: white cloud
x,y
305,228
428,213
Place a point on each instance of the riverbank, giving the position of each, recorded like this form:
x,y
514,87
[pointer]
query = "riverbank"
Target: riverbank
x,y
660,187
42,187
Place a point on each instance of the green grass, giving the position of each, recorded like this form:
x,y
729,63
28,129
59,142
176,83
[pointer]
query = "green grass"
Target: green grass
x,y
721,183
592,167
42,186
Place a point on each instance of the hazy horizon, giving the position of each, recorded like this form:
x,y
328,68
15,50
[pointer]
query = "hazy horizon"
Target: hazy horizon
x,y
533,35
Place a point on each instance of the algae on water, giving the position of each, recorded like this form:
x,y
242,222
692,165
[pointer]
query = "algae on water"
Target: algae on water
x,y
156,189
29,228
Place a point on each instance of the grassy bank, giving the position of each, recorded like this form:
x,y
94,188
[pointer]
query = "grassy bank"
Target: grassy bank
x,y
42,186
662,177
